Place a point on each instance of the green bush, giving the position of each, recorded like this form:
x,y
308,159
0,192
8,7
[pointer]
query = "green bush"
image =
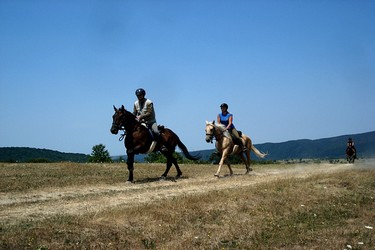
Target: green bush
x,y
99,154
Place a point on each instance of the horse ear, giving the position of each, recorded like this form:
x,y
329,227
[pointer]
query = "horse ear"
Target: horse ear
x,y
213,122
122,107
114,108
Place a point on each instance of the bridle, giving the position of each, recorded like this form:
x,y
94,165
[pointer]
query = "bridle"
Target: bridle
x,y
213,136
118,128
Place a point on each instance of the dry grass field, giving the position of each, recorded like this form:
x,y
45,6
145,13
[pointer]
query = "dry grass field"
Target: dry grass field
x,y
89,206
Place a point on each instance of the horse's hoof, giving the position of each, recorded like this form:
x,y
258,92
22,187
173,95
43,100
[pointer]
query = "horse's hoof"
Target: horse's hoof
x,y
129,182
162,178
216,175
178,176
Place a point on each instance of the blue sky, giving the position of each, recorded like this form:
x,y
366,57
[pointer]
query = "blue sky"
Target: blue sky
x,y
287,69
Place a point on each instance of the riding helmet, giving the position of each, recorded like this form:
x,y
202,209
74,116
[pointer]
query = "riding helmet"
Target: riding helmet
x,y
224,105
140,91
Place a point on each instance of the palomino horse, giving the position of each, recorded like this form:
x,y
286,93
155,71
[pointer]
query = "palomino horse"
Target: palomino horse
x,y
225,146
139,140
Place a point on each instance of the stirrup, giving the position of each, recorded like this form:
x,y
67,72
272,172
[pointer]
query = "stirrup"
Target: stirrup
x,y
163,149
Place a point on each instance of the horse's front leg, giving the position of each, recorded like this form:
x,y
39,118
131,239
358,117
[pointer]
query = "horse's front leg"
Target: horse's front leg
x,y
217,174
130,163
222,160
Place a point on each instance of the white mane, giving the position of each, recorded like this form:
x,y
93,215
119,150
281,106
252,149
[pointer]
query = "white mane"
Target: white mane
x,y
220,127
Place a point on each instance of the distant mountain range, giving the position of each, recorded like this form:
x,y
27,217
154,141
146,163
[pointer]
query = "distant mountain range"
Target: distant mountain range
x,y
327,148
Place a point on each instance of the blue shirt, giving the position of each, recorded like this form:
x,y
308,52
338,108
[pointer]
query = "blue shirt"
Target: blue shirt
x,y
224,119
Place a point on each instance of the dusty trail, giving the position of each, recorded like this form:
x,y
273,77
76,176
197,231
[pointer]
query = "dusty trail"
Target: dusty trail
x,y
46,203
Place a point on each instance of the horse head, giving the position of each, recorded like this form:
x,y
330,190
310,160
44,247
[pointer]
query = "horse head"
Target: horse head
x,y
210,131
214,130
122,119
118,119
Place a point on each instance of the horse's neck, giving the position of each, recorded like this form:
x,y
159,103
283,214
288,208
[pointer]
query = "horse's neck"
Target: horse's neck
x,y
219,134
129,127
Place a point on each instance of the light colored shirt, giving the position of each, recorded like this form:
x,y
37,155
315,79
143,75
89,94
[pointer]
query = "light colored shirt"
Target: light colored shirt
x,y
145,111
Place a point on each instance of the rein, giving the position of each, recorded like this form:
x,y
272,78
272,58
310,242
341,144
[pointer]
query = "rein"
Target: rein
x,y
122,136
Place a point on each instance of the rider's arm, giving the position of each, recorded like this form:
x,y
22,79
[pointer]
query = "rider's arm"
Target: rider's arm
x,y
230,121
135,111
147,111
218,119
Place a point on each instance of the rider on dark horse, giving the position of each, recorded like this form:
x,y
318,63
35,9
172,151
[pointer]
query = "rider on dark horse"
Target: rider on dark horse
x,y
145,113
350,147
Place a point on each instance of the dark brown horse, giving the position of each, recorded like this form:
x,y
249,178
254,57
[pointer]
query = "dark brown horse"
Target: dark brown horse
x,y
351,154
139,140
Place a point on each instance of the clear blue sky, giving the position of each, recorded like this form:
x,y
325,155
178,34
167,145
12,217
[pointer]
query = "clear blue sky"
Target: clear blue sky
x,y
288,69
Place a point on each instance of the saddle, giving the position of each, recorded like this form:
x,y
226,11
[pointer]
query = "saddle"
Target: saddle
x,y
155,138
236,140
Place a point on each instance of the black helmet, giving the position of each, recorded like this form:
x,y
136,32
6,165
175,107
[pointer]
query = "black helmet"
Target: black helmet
x,y
140,91
224,105
350,139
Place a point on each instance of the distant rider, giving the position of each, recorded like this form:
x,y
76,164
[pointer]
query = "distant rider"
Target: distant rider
x,y
350,145
226,119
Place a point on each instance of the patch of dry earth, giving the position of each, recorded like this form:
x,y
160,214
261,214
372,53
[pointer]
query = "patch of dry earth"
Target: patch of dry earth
x,y
40,204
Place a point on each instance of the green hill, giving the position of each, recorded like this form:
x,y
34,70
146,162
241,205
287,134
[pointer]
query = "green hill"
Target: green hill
x,y
24,154
327,148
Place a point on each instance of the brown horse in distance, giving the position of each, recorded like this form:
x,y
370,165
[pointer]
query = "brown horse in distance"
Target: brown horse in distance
x,y
351,154
139,140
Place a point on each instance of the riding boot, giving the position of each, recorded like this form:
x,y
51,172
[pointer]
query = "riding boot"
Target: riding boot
x,y
157,138
244,149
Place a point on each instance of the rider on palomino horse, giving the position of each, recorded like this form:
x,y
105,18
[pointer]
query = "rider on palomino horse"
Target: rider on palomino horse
x,y
226,119
144,111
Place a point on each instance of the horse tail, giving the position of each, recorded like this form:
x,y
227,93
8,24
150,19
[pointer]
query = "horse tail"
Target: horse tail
x,y
257,152
186,152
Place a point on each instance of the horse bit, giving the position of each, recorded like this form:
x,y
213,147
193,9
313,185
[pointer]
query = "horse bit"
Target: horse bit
x,y
212,136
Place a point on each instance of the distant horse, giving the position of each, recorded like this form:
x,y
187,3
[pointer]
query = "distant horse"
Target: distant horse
x,y
350,154
139,140
225,146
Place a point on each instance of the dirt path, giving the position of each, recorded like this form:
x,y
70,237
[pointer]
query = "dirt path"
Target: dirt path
x,y
93,199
